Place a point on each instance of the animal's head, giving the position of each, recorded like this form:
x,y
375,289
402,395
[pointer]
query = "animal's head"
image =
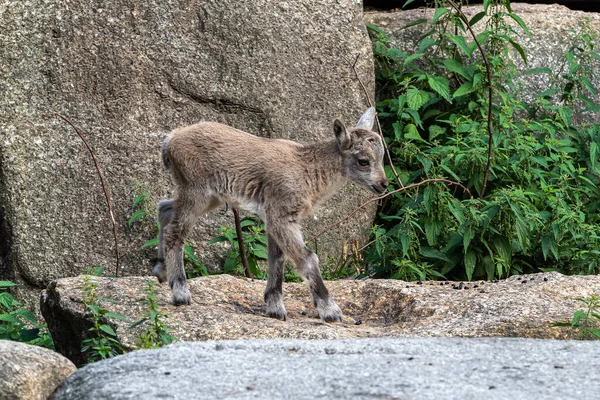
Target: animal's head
x,y
362,152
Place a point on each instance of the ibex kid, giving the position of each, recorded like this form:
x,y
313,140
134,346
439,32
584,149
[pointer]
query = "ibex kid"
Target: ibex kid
x,y
282,181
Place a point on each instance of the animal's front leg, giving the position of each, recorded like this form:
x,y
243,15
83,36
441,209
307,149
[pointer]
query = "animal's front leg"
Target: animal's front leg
x,y
274,289
289,239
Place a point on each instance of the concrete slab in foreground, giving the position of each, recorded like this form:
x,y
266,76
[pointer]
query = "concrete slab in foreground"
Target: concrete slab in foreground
x,y
399,368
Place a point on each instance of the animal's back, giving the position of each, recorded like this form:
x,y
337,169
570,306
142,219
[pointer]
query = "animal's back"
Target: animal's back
x,y
212,150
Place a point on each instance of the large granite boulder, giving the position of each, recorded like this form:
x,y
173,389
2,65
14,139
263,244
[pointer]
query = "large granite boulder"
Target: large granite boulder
x,y
401,368
127,73
30,372
554,30
226,307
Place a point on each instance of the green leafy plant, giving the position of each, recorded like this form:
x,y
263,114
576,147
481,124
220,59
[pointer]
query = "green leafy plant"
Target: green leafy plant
x,y
20,324
453,108
586,321
157,331
255,241
102,341
138,207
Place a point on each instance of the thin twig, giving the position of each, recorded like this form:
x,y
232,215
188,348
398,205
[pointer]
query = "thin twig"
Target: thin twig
x,y
240,239
101,175
366,203
490,96
387,151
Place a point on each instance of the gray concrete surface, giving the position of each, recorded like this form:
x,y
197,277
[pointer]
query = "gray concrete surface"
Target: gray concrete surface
x,y
399,368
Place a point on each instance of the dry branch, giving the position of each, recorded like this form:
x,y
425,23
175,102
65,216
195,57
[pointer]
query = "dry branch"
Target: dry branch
x,y
101,175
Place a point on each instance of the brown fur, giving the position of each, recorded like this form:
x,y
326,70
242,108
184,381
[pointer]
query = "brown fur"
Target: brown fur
x,y
282,181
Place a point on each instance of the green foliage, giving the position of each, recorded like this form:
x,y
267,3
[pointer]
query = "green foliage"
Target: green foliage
x,y
539,208
20,324
255,242
586,321
157,331
138,207
102,341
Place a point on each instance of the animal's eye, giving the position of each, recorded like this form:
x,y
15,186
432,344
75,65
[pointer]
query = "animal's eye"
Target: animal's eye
x,y
363,162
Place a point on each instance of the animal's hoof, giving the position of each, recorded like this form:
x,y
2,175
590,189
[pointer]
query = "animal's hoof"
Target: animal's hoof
x,y
182,296
277,314
160,272
329,311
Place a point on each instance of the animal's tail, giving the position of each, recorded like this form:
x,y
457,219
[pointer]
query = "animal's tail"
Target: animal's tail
x,y
165,154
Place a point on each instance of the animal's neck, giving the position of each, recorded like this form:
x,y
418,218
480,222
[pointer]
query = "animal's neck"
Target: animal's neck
x,y
323,162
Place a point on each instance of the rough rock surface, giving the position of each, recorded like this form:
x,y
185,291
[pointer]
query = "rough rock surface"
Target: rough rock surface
x,y
126,73
552,28
30,372
226,307
404,368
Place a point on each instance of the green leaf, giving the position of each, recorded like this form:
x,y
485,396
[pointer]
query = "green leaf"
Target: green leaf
x,y
150,243
428,198
108,329
139,214
503,248
116,316
549,245
440,85
470,262
477,18
438,13
519,21
519,49
416,98
405,241
467,237
594,156
460,42
435,131
140,198
412,58
4,284
458,67
577,317
247,222
433,253
465,88
411,132
218,239
566,114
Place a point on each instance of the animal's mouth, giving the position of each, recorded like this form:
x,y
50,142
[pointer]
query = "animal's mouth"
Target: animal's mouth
x,y
378,189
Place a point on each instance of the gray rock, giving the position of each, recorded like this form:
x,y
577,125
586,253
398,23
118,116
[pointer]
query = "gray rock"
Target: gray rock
x,y
406,368
226,307
30,372
128,73
552,30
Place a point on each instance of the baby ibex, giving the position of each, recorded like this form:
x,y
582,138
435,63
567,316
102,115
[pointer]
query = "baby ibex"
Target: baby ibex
x,y
282,181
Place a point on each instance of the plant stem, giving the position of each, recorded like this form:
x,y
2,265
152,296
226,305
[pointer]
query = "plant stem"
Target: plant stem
x,y
488,69
101,175
240,239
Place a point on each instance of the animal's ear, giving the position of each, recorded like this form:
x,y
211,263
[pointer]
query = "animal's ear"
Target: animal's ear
x,y
341,134
367,120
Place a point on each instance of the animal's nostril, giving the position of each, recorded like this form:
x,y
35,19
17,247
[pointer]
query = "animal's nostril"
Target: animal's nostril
x,y
384,183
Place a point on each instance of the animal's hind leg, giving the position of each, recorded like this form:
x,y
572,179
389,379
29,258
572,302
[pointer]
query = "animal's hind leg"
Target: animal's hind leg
x,y
274,289
186,210
165,215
